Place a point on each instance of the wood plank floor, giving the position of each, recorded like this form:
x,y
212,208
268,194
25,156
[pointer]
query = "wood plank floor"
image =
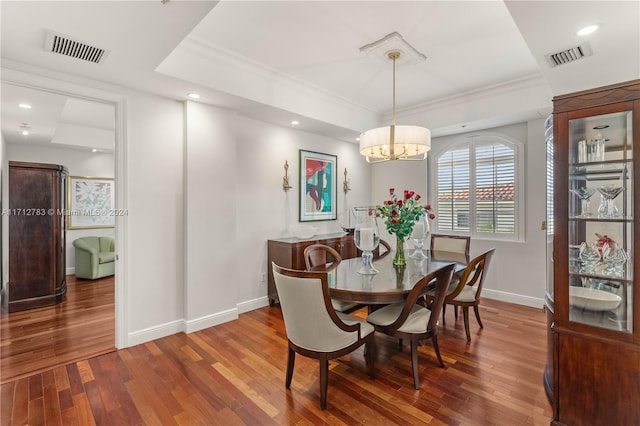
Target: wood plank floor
x,y
234,374
80,327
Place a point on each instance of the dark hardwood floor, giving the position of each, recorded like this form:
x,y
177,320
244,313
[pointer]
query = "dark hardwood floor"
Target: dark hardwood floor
x,y
234,374
40,339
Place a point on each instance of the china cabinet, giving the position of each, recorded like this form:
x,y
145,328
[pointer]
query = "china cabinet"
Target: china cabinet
x,y
592,374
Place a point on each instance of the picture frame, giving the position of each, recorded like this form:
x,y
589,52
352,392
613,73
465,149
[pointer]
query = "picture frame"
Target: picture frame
x,y
91,202
318,186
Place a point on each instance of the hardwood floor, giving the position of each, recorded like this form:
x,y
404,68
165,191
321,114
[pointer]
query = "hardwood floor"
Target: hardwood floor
x,y
234,374
40,339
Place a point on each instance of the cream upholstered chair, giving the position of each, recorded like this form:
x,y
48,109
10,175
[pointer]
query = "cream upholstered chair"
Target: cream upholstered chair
x,y
314,329
466,292
320,255
450,243
412,321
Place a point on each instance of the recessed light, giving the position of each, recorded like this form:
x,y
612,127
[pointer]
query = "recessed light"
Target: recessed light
x,y
94,150
588,30
358,139
295,122
25,132
25,106
194,95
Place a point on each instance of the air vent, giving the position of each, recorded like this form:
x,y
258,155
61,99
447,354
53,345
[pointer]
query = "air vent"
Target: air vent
x,y
569,55
68,46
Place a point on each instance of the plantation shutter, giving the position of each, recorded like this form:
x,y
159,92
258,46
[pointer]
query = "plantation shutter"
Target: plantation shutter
x,y
495,172
453,191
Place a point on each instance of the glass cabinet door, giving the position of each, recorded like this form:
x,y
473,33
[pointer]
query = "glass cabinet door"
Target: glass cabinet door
x,y
600,226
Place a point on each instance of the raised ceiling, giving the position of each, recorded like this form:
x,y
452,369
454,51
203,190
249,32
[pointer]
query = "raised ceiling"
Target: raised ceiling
x,y
274,60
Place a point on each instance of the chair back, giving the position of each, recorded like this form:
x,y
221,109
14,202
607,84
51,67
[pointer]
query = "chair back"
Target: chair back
x,y
473,275
319,254
450,243
310,321
442,277
383,249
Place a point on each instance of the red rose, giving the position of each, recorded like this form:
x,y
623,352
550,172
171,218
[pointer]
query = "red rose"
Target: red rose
x,y
417,197
395,220
427,207
394,213
406,195
391,191
399,203
432,216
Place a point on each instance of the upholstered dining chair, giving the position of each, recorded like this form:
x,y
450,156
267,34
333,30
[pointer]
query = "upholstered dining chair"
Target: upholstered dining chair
x,y
321,255
450,243
314,329
466,292
412,321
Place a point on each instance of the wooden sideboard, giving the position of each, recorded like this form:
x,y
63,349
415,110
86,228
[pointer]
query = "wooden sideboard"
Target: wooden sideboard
x,y
289,252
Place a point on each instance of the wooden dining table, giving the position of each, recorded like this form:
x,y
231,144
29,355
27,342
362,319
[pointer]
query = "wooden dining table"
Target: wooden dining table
x,y
391,284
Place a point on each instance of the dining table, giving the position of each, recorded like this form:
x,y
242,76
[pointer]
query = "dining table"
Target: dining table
x,y
392,283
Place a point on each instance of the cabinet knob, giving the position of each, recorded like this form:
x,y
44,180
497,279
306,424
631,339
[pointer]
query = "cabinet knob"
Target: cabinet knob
x,y
544,309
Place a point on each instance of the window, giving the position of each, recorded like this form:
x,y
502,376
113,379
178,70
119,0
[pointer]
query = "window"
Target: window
x,y
477,188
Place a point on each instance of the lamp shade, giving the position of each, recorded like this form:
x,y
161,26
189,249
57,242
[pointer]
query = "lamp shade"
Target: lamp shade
x,y
395,143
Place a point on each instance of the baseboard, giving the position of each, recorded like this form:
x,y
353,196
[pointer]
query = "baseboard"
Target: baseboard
x,y
211,320
250,305
518,299
153,333
71,270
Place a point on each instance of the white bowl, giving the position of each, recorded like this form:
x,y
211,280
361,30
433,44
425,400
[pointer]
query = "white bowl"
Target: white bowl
x,y
592,299
303,232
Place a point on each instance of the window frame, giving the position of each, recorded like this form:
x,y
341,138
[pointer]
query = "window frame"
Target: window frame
x,y
471,142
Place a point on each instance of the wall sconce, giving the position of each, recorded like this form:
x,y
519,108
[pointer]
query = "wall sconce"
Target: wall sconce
x,y
285,179
345,184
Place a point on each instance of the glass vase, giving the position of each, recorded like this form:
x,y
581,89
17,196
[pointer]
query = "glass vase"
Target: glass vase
x,y
399,259
366,237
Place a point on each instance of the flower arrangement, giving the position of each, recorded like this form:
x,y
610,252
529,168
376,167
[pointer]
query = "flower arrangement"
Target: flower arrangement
x,y
400,215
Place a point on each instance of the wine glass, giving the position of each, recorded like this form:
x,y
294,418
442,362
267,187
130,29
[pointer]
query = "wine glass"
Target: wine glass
x,y
366,237
589,256
420,232
607,207
584,194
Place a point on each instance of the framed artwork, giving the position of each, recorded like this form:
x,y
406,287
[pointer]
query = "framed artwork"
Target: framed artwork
x,y
318,182
91,203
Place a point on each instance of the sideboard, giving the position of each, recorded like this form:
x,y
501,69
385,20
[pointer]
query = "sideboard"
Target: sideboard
x,y
289,252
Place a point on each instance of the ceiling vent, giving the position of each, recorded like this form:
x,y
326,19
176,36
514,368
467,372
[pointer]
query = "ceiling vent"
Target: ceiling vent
x,y
68,46
568,55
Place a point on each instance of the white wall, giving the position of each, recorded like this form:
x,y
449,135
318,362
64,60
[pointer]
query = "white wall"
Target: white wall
x,y
265,210
78,163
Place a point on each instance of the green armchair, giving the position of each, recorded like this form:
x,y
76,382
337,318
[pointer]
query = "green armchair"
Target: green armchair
x,y
95,257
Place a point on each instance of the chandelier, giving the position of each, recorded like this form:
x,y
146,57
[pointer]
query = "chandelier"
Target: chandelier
x,y
395,142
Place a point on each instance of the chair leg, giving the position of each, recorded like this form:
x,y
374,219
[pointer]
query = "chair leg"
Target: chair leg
x,y
436,348
324,382
455,312
414,363
476,310
370,356
290,361
465,313
444,309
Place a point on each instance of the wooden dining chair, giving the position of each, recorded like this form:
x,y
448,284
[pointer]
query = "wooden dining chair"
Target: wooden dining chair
x,y
321,255
414,322
383,249
466,292
314,329
450,243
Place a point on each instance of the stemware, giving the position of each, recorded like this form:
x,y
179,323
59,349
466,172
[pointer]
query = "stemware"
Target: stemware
x,y
420,233
589,257
614,258
584,194
608,208
366,237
